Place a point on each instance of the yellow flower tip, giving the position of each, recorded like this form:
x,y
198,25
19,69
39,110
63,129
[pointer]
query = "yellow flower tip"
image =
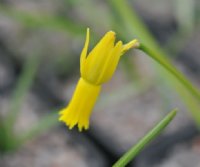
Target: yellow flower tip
x,y
61,112
60,119
70,126
80,127
111,34
132,44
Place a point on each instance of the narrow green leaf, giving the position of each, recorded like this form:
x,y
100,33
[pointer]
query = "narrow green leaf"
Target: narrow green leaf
x,y
46,21
23,85
128,156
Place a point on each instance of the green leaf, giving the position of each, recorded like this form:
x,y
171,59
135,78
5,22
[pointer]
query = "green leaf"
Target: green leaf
x,y
38,21
128,156
23,85
8,138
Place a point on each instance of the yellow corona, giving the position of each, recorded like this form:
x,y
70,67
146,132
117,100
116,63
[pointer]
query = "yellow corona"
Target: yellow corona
x,y
96,68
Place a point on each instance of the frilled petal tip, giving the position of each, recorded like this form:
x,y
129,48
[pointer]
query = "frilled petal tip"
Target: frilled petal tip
x,y
71,121
80,107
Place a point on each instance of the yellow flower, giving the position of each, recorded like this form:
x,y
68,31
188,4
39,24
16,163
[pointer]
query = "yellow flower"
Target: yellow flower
x,y
96,68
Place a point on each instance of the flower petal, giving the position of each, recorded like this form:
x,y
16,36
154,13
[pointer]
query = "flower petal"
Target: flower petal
x,y
97,57
85,50
111,63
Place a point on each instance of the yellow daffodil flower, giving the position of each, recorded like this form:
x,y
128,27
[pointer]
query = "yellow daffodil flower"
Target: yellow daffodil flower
x,y
96,68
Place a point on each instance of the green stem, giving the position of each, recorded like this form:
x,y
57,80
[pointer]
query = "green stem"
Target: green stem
x,y
133,25
166,64
128,156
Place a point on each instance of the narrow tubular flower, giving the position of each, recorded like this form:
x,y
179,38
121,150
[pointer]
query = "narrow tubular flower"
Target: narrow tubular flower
x,y
96,68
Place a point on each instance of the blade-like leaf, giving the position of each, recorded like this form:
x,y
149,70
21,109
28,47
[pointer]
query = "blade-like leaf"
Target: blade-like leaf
x,y
128,156
23,85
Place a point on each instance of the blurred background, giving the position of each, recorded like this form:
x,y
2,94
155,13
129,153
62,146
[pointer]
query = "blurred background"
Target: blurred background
x,y
40,45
